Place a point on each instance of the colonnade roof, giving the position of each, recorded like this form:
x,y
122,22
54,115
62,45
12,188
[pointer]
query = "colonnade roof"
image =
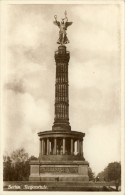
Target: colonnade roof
x,y
71,134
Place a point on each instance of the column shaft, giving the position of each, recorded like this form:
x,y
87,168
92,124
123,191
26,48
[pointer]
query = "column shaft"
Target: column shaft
x,y
78,146
40,152
48,148
55,146
61,90
71,146
64,143
42,146
82,147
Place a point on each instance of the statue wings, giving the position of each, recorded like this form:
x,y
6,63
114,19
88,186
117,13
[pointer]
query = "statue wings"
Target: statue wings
x,y
57,23
68,24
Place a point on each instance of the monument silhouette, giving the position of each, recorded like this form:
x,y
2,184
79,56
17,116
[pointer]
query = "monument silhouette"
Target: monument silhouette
x,y
61,149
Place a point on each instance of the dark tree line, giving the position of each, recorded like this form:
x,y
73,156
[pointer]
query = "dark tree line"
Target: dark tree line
x,y
111,173
91,174
16,166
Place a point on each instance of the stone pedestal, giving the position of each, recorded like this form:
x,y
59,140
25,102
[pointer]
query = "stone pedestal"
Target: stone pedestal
x,y
59,171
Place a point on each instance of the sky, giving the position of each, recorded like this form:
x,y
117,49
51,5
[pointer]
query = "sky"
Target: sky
x,y
94,77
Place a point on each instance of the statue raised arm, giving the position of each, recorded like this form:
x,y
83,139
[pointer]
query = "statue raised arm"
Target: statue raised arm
x,y
63,39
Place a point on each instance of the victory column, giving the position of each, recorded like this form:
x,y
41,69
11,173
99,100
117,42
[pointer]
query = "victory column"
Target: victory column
x,y
61,149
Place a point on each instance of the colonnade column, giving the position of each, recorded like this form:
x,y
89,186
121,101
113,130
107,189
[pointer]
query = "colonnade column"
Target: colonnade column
x,y
55,145
78,146
42,147
81,146
64,143
48,146
71,146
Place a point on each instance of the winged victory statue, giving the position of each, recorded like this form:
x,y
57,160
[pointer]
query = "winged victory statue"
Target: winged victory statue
x,y
63,39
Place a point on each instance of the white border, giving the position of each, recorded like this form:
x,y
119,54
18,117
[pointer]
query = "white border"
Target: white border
x,y
3,5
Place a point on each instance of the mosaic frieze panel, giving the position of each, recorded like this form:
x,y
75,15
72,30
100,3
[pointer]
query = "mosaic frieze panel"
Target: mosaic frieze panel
x,y
57,170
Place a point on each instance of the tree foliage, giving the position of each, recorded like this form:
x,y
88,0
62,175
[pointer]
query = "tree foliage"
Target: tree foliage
x,y
91,174
112,173
7,170
16,166
19,156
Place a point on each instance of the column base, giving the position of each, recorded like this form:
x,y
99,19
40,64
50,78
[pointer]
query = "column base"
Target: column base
x,y
61,126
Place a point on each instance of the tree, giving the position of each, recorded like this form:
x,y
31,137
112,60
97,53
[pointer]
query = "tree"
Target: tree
x,y
112,173
19,156
20,164
7,170
91,174
16,166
